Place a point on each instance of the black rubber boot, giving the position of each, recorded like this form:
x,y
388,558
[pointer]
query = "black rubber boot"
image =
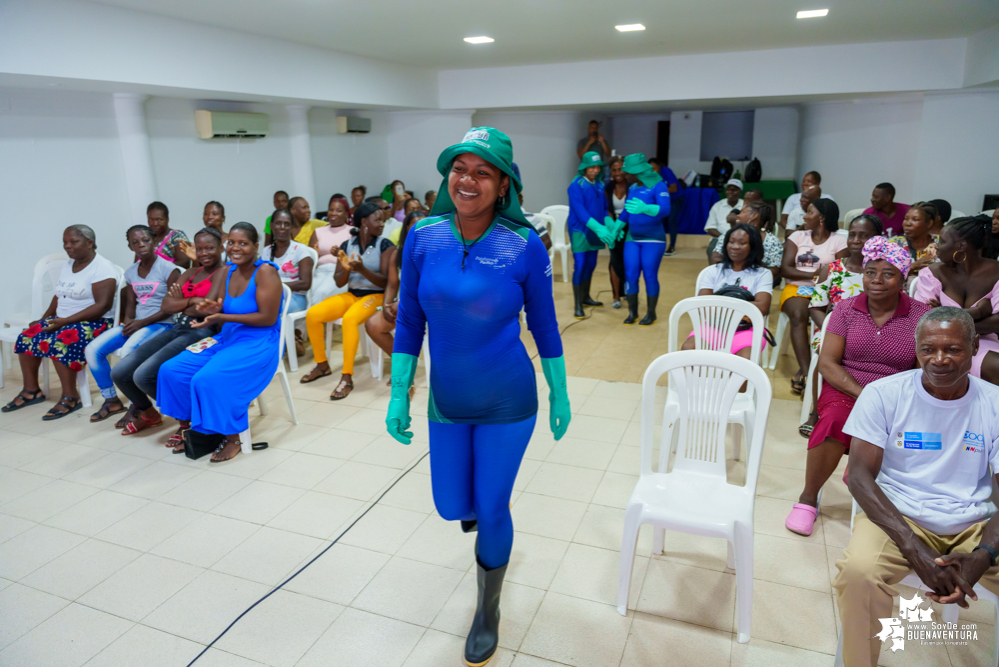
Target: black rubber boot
x,y
578,299
632,300
483,638
584,288
469,526
650,316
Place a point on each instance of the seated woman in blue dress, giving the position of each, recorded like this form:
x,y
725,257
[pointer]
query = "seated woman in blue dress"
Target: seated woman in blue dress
x,y
213,387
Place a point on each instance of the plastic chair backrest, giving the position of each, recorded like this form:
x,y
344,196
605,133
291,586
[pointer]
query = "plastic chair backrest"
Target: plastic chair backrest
x,y
706,383
315,262
42,291
548,221
851,214
559,214
285,304
957,214
715,320
913,286
120,283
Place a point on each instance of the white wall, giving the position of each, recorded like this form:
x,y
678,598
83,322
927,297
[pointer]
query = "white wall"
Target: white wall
x,y
544,147
685,143
60,165
415,140
341,162
933,146
958,149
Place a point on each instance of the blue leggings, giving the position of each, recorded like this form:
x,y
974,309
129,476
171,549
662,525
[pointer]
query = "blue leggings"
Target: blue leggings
x,y
583,264
473,468
642,258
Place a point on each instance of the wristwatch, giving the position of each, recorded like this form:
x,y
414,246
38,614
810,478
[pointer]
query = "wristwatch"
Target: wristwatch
x,y
993,554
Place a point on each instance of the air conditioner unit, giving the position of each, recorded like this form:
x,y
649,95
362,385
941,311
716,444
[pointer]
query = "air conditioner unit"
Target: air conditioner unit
x,y
219,124
345,124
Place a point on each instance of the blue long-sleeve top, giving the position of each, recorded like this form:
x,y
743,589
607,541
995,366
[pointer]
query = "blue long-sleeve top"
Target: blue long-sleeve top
x,y
643,227
586,200
480,371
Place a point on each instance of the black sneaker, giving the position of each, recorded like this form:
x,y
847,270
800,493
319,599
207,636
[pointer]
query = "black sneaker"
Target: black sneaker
x,y
669,252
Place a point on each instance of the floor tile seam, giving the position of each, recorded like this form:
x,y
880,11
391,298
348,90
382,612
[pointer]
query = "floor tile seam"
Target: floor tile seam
x,y
68,602
22,581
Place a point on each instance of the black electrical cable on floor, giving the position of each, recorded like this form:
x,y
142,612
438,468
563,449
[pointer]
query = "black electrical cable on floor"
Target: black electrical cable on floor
x,y
301,569
331,544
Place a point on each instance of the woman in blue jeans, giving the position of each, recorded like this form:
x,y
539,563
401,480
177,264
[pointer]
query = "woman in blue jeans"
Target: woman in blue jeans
x,y
135,375
148,281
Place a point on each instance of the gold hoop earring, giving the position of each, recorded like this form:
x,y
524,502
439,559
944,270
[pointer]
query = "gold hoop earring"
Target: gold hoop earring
x,y
960,261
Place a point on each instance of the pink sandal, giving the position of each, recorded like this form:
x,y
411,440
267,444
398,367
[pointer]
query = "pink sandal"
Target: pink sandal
x,y
801,520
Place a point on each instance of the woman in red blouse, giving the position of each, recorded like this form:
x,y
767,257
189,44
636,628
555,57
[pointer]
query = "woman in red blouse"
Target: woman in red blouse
x,y
867,337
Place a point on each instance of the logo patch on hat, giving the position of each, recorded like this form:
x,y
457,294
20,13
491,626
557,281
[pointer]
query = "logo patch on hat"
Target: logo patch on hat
x,y
476,136
595,158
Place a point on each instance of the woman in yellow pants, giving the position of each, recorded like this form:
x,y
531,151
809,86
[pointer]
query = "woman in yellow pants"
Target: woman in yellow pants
x,y
362,265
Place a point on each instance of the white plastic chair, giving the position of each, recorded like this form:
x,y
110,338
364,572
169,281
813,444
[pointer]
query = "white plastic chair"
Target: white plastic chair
x,y
851,214
806,404
245,437
559,214
715,320
43,283
913,286
293,318
695,496
957,214
82,377
951,612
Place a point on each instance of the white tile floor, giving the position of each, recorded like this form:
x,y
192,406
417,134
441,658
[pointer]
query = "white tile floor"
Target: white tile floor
x,y
115,552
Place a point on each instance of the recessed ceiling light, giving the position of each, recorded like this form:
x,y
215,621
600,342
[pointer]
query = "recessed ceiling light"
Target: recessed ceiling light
x,y
631,27
479,40
813,13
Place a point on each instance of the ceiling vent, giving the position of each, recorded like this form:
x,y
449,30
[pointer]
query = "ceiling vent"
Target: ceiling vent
x,y
353,125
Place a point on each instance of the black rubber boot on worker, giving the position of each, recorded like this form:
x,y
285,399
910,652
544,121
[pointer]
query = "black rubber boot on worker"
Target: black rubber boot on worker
x,y
577,296
632,300
584,288
483,638
650,316
469,526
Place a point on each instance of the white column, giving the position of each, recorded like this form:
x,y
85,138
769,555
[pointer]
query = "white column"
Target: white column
x,y
129,111
303,183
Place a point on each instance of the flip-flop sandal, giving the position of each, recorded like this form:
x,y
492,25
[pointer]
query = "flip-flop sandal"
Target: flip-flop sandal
x,y
221,447
797,386
306,379
805,430
801,520
344,385
140,423
103,414
38,398
54,414
175,439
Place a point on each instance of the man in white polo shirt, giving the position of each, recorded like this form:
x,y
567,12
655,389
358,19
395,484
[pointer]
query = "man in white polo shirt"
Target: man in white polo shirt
x,y
925,446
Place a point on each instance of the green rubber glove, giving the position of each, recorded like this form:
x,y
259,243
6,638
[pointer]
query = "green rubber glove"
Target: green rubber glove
x,y
602,232
640,208
609,222
398,419
558,395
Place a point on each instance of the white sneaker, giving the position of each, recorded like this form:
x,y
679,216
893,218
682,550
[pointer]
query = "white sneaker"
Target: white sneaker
x,y
616,304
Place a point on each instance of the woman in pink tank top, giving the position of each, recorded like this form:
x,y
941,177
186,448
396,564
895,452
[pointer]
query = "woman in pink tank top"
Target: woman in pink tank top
x,y
327,239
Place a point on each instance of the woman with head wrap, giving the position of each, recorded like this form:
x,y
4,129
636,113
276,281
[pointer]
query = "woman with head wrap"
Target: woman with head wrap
x,y
590,228
467,272
964,279
868,337
645,210
363,266
79,312
806,251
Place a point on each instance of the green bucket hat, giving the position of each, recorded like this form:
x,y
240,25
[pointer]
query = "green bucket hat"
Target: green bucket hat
x,y
590,159
637,164
493,146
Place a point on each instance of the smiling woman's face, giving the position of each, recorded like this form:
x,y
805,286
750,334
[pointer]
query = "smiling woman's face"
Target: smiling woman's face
x,y
474,185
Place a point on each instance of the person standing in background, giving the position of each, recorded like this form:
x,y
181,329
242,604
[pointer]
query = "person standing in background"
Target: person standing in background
x,y
617,193
644,210
588,228
884,206
280,204
594,141
672,185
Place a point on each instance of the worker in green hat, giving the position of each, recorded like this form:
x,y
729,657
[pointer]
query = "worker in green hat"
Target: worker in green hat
x,y
467,272
645,209
588,227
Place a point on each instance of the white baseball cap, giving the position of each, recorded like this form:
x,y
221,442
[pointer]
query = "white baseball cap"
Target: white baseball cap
x,y
734,181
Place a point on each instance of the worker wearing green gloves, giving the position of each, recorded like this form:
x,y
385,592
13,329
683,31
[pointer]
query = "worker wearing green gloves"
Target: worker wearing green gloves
x,y
644,211
590,228
467,272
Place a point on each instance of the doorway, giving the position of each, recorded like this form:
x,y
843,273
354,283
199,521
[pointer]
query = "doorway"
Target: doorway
x,y
662,142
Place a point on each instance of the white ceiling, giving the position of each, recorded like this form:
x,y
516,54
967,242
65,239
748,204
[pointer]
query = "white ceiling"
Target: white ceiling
x,y
430,33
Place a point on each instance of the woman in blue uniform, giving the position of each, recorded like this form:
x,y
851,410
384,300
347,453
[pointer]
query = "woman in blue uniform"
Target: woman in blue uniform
x,y
644,211
588,229
467,272
213,388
